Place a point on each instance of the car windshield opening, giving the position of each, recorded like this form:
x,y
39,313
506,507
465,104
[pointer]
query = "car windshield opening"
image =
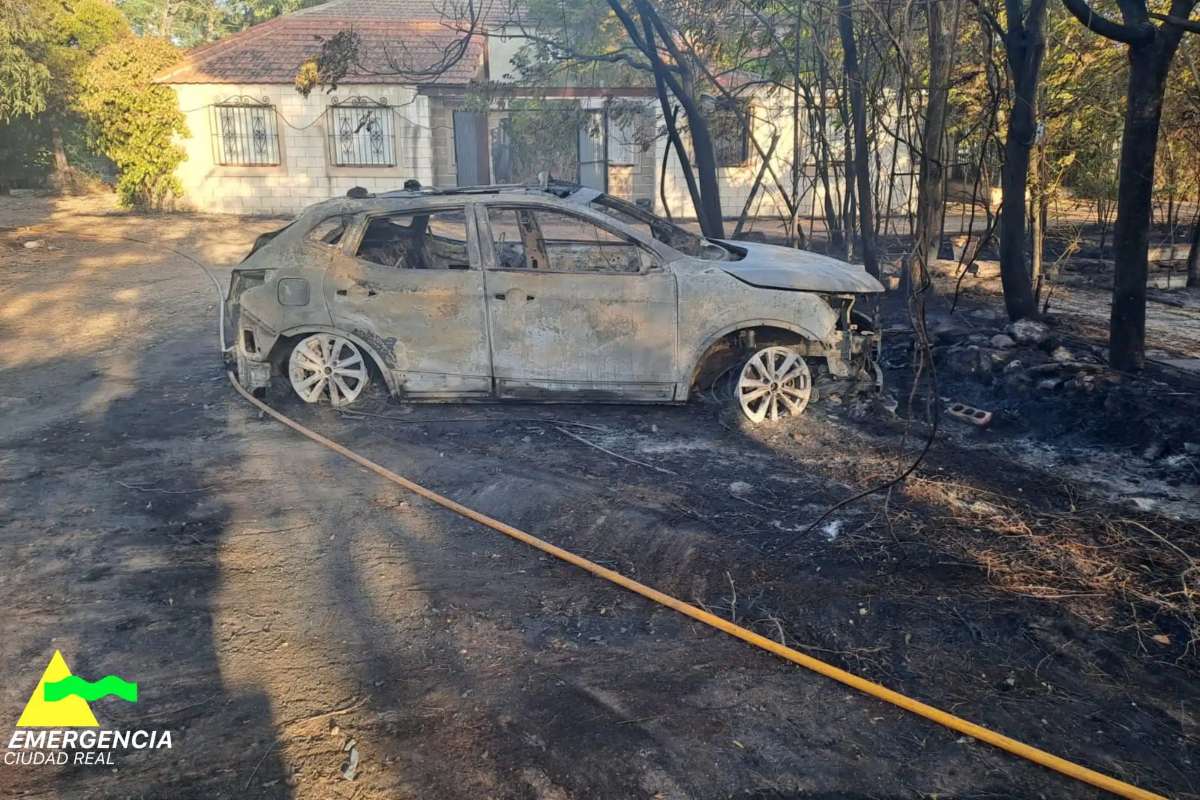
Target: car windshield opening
x,y
661,230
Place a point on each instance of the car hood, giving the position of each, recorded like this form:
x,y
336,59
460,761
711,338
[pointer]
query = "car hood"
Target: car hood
x,y
773,267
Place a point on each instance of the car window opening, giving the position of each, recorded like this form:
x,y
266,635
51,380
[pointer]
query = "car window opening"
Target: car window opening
x,y
417,240
329,231
554,241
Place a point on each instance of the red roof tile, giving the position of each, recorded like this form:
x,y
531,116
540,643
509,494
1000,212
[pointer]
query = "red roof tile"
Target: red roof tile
x,y
415,34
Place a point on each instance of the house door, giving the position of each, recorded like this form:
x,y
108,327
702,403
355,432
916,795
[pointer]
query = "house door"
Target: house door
x,y
412,287
471,148
593,152
576,311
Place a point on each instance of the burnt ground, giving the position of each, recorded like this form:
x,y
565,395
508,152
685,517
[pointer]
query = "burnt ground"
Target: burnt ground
x,y
275,602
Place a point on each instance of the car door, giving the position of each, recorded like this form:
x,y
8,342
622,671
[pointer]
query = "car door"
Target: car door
x,y
576,309
410,284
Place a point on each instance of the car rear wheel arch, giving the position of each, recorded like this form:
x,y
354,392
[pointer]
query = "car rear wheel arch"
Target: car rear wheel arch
x,y
289,338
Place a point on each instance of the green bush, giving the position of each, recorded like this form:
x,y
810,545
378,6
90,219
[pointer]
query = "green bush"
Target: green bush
x,y
134,121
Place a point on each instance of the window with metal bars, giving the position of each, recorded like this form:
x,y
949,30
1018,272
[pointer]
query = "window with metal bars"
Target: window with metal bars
x,y
245,134
361,134
727,124
626,141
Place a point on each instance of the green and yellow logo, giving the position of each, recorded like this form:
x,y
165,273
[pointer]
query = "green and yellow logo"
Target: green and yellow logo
x,y
47,731
60,699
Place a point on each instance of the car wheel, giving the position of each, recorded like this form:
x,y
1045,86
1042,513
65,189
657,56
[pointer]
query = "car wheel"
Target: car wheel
x,y
774,383
328,365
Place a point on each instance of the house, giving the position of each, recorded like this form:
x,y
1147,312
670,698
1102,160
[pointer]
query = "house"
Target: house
x,y
257,145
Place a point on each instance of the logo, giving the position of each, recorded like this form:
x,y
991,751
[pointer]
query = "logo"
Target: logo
x,y
61,701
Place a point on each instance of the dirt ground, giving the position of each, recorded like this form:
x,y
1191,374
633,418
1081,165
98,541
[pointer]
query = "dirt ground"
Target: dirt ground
x,y
277,604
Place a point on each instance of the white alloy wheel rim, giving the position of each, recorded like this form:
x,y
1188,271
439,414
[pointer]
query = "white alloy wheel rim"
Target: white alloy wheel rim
x,y
327,365
775,383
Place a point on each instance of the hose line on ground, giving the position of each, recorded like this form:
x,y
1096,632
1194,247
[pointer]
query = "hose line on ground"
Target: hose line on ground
x,y
950,721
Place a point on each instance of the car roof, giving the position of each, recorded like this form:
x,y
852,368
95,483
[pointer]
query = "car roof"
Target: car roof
x,y
556,193
402,198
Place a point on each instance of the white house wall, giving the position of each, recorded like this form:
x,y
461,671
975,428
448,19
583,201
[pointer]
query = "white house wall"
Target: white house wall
x,y
773,113
305,173
424,149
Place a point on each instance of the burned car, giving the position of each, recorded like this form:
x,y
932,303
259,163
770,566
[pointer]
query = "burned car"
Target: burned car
x,y
540,294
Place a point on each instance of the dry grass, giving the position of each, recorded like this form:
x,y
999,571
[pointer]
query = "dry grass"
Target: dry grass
x,y
1111,570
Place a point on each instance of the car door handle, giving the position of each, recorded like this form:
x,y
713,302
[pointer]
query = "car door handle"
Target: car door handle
x,y
356,290
500,295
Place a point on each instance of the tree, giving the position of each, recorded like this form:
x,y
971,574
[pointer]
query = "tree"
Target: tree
x,y
78,29
677,80
24,86
191,22
1193,259
24,75
858,113
44,45
643,37
133,120
1151,48
942,19
1025,44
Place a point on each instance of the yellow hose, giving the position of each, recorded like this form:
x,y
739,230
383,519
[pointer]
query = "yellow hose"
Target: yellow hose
x,y
950,721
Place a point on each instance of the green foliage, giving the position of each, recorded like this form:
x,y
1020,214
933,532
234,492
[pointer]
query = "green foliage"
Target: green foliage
x,y
191,22
574,42
24,75
185,22
339,53
1083,83
45,46
78,30
244,13
543,136
25,156
133,121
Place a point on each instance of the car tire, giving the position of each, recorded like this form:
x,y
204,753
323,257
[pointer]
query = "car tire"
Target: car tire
x,y
773,383
326,366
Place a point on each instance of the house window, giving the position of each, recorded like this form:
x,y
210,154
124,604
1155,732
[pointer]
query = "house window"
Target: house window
x,y
731,140
244,134
624,138
361,134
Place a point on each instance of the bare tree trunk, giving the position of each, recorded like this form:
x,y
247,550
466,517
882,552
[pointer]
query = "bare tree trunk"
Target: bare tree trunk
x,y
1037,237
930,182
1026,45
648,36
797,166
1151,50
706,168
1193,262
833,224
1131,235
674,142
862,156
754,187
61,164
60,179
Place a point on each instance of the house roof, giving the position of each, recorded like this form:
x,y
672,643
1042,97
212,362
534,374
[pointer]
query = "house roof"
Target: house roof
x,y
414,34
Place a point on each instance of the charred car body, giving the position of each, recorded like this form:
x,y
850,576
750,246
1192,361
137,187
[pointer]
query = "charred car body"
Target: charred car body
x,y
532,293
